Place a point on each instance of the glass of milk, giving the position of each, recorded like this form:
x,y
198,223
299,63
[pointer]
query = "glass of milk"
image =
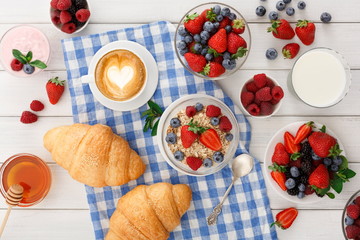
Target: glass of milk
x,y
320,77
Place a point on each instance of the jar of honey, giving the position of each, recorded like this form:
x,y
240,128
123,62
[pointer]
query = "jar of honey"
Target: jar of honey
x,y
31,173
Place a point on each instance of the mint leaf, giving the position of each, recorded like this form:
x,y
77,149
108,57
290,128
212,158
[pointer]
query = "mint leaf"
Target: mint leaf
x,y
348,173
330,195
344,164
155,107
323,129
29,56
337,184
154,129
38,64
19,56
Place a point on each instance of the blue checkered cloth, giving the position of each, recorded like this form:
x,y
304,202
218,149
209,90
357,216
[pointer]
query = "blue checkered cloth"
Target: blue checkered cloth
x,y
246,213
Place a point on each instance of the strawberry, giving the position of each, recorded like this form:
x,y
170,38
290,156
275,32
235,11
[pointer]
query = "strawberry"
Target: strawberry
x,y
260,80
196,62
190,111
194,23
319,178
225,124
281,29
211,140
238,26
194,163
28,117
187,137
290,50
218,59
353,211
296,163
226,21
36,106
213,111
191,47
208,15
303,132
218,41
290,146
280,156
279,178
321,143
285,218
305,31
234,42
55,89
352,231
213,69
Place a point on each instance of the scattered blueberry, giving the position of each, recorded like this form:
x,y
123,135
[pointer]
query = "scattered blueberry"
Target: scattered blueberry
x,y
216,24
171,138
280,5
181,45
287,1
183,51
208,26
334,168
204,51
337,160
225,11
218,157
294,171
219,18
271,53
290,11
349,221
197,38
179,155
290,183
207,162
28,69
216,9
228,28
327,161
273,15
214,121
226,55
232,16
199,107
325,17
175,122
301,187
301,195
301,5
205,35
198,47
209,56
229,137
260,11
188,39
182,32
314,156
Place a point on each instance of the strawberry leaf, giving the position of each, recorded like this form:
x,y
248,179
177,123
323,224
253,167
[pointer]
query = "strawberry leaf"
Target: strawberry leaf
x,y
295,156
19,56
191,17
277,168
302,23
323,129
214,52
195,128
335,151
240,53
210,15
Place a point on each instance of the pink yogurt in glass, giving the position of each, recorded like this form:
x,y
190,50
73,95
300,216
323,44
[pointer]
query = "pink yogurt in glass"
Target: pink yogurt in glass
x,y
24,38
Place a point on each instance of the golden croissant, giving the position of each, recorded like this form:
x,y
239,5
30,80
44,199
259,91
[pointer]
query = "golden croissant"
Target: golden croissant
x,y
94,155
149,212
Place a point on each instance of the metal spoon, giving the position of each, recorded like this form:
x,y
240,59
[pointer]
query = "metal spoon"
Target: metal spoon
x,y
241,166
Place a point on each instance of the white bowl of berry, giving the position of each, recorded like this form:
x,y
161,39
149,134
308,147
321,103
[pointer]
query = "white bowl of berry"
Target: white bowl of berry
x,y
305,161
69,16
198,135
351,217
212,41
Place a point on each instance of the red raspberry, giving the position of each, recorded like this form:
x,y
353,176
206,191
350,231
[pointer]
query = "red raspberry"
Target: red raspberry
x,y
213,111
82,15
260,80
277,93
36,106
54,3
28,117
16,65
357,222
65,17
353,211
352,231
55,17
218,59
194,163
357,201
270,83
266,108
274,101
257,101
263,94
68,28
63,4
251,87
247,98
253,109
225,124
190,111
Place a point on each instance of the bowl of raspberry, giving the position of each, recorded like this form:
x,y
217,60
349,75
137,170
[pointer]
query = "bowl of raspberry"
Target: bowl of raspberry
x,y
212,41
261,96
351,217
69,16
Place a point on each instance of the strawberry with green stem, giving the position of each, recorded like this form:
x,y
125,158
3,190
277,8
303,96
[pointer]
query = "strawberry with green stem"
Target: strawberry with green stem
x,y
194,23
277,173
305,30
208,137
291,147
290,50
281,29
54,89
238,26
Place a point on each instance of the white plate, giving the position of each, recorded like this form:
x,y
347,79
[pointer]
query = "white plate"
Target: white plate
x,y
151,83
279,137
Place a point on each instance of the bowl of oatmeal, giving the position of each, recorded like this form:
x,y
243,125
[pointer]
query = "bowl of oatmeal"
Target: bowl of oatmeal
x,y
198,135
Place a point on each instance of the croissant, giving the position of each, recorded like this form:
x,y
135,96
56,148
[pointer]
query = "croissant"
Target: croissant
x,y
94,155
149,212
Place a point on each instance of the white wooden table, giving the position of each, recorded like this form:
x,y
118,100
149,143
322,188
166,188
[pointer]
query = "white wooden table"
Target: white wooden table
x,y
64,213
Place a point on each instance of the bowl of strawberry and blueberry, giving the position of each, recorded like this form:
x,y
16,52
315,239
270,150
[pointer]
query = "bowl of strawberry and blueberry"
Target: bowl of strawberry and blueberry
x,y
69,16
305,161
212,41
198,135
351,217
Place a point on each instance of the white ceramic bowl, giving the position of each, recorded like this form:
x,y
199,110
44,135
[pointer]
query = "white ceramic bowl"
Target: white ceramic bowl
x,y
172,110
279,137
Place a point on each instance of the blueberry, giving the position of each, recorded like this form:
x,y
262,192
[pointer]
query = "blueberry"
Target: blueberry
x,y
325,17
214,121
226,55
216,9
203,42
294,171
219,18
301,187
228,28
349,221
287,1
334,168
228,64
290,11
301,195
188,39
208,26
280,5
183,51
301,5
28,69
199,107
218,157
204,51
198,47
207,162
205,35
327,161
216,25
337,160
314,156
273,15
229,137
232,64
232,16
171,138
175,123
260,11
209,56
182,32
178,155
181,45
290,183
271,53
225,11
197,38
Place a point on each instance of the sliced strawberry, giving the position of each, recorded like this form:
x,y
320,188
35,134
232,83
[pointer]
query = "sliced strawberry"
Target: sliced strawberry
x,y
285,218
279,178
290,147
303,132
211,140
194,163
187,137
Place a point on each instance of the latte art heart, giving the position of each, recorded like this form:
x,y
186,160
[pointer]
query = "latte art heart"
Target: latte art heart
x,y
120,77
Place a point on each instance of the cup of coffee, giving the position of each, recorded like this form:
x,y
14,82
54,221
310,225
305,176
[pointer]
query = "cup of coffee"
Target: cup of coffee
x,y
117,73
